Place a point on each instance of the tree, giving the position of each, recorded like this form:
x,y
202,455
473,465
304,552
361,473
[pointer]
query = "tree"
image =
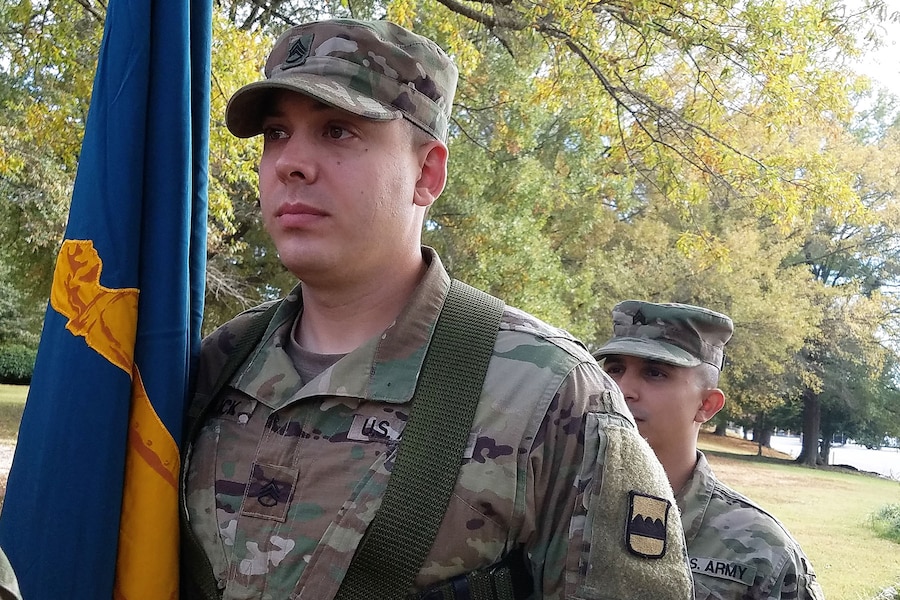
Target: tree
x,y
48,52
18,318
609,147
857,261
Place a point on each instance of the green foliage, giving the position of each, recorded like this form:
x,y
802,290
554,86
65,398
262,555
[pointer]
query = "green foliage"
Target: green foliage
x,y
848,367
706,152
674,87
886,522
47,55
12,404
19,317
16,364
892,593
241,260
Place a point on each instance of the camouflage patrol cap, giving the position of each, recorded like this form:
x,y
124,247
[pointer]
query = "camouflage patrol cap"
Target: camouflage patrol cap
x,y
677,334
374,69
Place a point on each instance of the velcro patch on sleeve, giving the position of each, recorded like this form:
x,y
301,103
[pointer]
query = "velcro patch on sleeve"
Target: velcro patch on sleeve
x,y
645,533
626,474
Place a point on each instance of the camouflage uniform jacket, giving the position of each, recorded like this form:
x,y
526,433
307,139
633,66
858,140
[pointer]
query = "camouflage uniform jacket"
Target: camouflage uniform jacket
x,y
9,585
737,550
284,477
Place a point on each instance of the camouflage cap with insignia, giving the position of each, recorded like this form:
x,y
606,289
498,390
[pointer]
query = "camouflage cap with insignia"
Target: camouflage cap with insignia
x,y
677,334
374,69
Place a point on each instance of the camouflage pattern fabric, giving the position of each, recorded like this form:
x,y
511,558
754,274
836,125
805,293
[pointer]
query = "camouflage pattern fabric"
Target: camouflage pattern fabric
x,y
737,550
9,584
677,334
285,477
374,69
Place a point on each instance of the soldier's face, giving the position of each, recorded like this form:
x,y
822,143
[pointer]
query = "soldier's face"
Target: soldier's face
x,y
338,192
664,399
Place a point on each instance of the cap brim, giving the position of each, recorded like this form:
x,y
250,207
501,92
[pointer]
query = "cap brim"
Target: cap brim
x,y
247,107
649,349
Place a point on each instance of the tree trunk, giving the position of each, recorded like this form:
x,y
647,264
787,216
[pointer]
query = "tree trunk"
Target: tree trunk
x,y
721,429
812,417
761,434
825,450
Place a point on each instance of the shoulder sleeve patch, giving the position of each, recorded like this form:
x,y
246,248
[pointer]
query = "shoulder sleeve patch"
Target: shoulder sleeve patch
x,y
631,549
645,531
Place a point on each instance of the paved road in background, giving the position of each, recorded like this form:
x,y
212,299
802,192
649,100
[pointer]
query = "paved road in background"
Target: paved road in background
x,y
885,461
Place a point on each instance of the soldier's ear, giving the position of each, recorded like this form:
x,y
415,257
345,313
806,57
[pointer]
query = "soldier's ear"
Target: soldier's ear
x,y
713,401
433,172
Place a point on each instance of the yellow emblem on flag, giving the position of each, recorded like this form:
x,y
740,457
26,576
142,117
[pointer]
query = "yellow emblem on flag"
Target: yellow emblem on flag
x,y
107,320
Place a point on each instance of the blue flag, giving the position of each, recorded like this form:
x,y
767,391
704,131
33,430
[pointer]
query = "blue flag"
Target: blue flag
x,y
91,507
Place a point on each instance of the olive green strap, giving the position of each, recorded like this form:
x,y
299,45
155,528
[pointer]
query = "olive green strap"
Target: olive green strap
x,y
197,579
403,530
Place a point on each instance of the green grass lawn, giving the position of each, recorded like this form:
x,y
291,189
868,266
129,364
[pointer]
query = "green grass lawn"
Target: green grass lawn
x,y
12,402
828,512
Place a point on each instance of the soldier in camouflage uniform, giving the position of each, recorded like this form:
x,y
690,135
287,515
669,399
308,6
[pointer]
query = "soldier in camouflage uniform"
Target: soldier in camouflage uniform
x,y
288,470
9,584
666,359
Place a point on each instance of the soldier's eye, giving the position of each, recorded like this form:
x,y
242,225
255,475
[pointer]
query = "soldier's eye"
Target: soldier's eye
x,y
274,133
656,373
336,132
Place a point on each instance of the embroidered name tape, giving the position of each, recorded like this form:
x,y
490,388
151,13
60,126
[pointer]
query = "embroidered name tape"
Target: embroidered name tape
x,y
724,569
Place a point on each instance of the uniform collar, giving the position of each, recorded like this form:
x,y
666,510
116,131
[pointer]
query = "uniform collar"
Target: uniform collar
x,y
383,369
694,498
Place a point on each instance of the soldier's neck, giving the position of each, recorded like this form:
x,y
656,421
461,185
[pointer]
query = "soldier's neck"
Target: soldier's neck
x,y
679,466
338,322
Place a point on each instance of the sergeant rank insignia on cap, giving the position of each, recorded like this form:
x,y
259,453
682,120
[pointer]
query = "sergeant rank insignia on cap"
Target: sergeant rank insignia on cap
x,y
299,51
639,318
645,532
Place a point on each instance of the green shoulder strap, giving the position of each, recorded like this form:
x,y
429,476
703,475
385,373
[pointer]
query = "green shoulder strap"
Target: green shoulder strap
x,y
246,342
403,530
197,580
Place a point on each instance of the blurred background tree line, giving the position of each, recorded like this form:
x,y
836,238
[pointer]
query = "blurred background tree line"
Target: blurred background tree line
x,y
714,152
